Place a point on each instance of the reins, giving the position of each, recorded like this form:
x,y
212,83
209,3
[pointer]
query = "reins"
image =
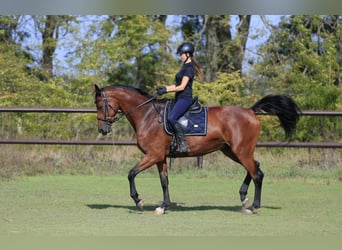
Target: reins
x,y
140,105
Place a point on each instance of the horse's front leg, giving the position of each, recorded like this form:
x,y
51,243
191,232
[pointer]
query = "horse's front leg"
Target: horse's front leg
x,y
164,181
145,163
133,191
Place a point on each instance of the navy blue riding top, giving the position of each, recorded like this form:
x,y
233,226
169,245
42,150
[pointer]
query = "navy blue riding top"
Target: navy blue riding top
x,y
188,69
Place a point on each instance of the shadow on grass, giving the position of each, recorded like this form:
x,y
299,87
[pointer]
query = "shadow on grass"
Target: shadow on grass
x,y
176,207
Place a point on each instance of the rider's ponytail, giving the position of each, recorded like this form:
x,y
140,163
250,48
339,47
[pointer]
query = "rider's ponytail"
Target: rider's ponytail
x,y
198,69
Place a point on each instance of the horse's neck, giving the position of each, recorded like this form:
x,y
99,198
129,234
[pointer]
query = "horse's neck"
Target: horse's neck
x,y
127,102
144,114
133,105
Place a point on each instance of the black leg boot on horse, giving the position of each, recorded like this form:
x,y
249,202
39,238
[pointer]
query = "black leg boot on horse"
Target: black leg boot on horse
x,y
180,139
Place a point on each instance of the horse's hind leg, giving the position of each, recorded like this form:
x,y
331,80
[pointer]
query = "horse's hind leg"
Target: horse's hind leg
x,y
244,188
253,173
245,185
257,177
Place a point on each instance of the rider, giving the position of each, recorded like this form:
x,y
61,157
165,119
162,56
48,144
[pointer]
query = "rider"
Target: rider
x,y
183,89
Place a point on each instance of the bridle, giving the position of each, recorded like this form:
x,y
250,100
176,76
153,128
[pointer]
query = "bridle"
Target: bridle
x,y
107,106
109,121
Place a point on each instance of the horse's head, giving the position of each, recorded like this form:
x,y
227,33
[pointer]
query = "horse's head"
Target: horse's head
x,y
106,108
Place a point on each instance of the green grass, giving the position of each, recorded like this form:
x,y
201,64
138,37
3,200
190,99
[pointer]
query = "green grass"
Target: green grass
x,y
207,206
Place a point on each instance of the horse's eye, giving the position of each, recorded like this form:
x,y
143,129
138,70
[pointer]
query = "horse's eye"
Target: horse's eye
x,y
99,107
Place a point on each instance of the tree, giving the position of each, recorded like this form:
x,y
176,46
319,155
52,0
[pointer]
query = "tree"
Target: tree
x,y
50,27
50,36
8,25
219,50
128,50
302,58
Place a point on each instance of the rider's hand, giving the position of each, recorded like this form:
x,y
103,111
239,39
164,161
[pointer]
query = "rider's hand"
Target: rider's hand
x,y
161,90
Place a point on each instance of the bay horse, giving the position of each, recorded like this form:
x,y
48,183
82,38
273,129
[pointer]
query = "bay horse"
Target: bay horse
x,y
233,130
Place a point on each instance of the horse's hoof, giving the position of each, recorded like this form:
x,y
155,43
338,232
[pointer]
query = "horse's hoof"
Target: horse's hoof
x,y
249,210
246,211
245,204
159,210
140,205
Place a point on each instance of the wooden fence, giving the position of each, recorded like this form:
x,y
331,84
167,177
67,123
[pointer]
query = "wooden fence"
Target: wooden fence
x,y
133,143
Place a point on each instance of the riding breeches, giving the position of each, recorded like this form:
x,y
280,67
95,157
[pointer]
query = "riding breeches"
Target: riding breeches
x,y
179,108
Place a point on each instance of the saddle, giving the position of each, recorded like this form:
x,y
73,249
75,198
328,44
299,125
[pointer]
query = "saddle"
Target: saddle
x,y
193,122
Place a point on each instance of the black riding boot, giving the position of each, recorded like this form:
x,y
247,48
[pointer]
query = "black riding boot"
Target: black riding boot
x,y
180,138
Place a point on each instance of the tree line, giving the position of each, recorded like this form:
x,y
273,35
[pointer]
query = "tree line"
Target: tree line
x,y
301,57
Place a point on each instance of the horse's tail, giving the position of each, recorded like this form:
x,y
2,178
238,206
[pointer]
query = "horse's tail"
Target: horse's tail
x,y
284,107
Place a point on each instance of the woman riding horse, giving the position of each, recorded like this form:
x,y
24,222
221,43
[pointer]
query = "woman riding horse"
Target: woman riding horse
x,y
183,89
232,130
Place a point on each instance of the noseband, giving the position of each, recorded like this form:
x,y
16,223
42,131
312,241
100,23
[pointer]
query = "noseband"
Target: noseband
x,y
107,106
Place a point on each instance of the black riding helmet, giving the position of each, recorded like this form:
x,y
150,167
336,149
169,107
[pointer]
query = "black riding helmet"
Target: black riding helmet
x,y
186,48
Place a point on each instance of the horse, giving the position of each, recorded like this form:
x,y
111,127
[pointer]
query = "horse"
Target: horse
x,y
233,130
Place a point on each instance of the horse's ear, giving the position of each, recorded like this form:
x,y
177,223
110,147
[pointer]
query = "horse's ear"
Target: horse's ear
x,y
96,89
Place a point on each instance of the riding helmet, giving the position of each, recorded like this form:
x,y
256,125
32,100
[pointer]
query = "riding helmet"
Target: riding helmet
x,y
186,48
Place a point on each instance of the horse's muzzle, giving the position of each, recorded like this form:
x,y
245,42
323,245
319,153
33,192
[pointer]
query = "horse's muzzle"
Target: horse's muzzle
x,y
105,129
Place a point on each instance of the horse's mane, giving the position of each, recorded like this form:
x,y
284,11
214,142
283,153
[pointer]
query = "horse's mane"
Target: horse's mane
x,y
140,91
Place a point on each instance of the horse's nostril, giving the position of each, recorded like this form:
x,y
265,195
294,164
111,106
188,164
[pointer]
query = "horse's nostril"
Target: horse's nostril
x,y
102,131
105,129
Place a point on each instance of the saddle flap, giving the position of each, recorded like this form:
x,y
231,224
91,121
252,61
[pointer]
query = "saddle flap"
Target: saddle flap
x,y
193,122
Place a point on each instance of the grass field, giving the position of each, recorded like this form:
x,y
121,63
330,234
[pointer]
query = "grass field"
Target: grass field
x,y
100,206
